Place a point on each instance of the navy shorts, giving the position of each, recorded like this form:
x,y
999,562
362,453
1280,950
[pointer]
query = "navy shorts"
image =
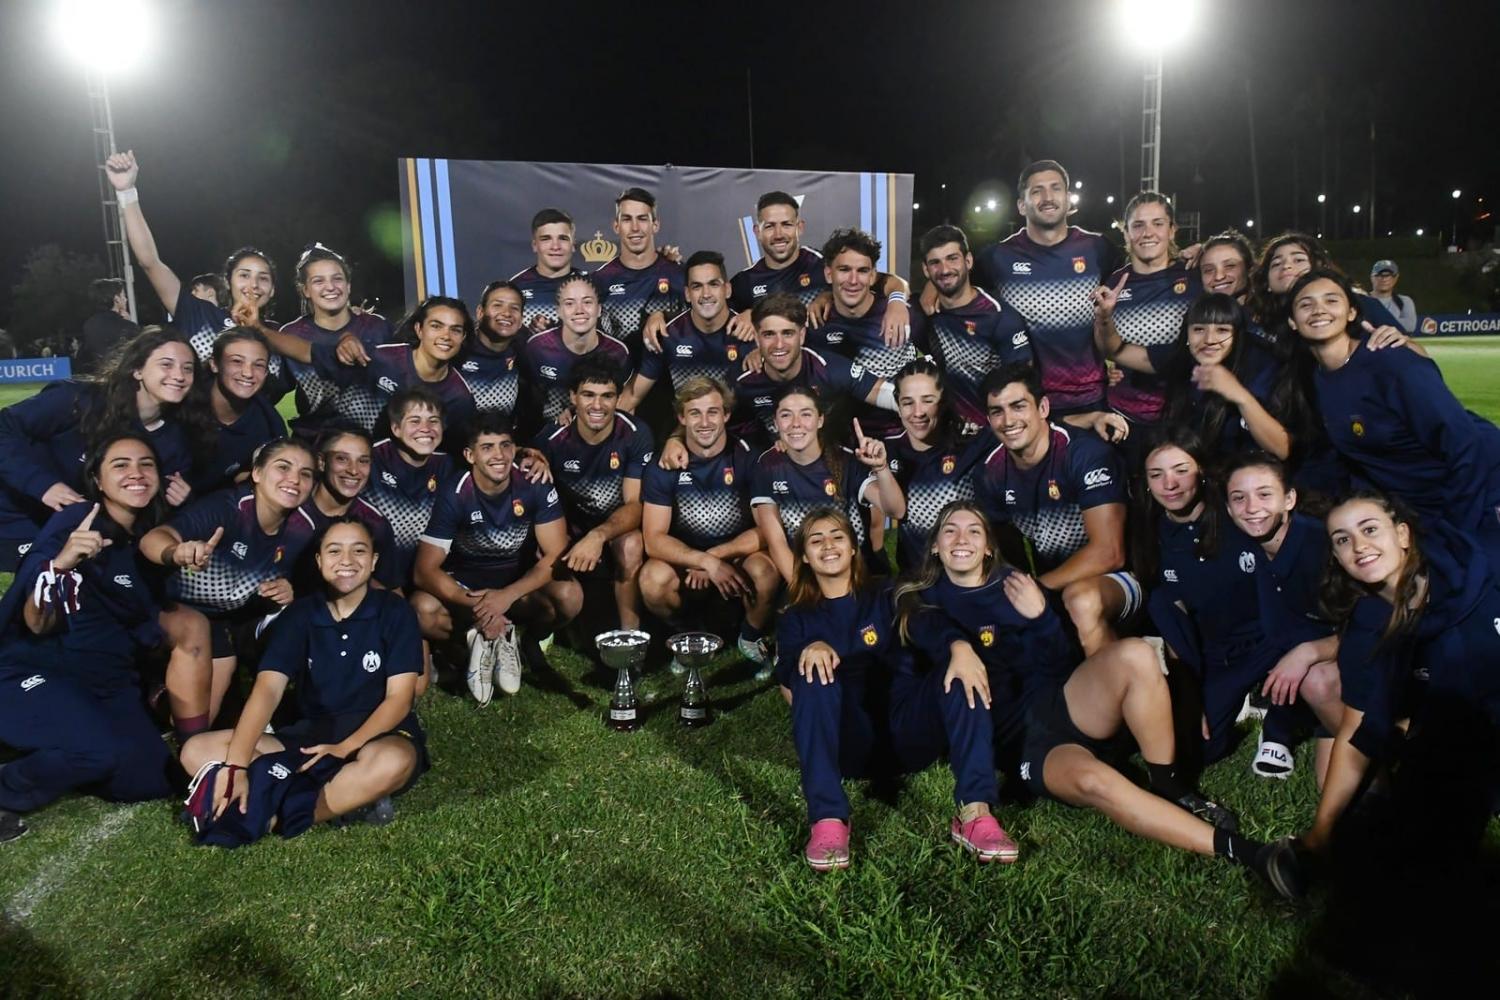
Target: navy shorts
x,y
1048,726
331,729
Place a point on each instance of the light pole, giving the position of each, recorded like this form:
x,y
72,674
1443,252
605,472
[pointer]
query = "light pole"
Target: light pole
x,y
1457,194
105,39
1151,27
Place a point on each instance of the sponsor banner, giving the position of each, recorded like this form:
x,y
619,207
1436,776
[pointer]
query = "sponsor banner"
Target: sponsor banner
x,y
1459,325
35,369
468,222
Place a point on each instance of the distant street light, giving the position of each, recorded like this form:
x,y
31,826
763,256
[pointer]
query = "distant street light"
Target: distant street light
x,y
915,206
1457,194
1356,209
1078,185
1419,231
1249,223
1109,199
990,204
977,209
1073,198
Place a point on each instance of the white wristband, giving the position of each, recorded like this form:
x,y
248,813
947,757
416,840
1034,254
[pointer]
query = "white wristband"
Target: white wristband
x,y
892,297
127,197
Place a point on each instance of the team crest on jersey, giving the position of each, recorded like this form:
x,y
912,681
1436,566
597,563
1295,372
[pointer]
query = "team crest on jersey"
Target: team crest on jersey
x,y
280,551
987,635
732,353
829,488
240,550
805,280
614,460
1179,287
949,464
663,286
1052,490
728,475
371,662
432,484
971,327
1080,265
517,507
1247,562
510,363
869,635
1357,426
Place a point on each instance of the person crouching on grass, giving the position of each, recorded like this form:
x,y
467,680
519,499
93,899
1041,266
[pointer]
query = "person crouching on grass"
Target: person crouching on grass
x,y
354,654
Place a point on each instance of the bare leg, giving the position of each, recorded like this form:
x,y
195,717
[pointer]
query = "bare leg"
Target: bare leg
x,y
762,572
214,745
1077,776
1123,683
629,552
381,767
1094,604
661,588
190,670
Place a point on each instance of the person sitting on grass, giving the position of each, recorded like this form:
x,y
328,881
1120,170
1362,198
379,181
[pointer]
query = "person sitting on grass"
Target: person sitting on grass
x,y
354,654
974,617
77,618
486,561
861,708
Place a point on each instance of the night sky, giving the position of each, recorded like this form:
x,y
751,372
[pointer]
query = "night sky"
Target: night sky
x,y
279,123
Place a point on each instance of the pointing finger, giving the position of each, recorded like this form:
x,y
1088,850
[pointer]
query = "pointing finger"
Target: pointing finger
x,y
88,519
859,435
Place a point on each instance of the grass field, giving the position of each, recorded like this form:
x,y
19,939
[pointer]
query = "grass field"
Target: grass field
x,y
544,856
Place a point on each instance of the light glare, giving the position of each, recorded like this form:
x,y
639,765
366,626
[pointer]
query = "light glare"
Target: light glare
x,y
1154,26
111,36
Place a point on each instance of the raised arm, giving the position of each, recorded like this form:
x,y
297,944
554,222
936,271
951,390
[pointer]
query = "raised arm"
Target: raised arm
x,y
122,171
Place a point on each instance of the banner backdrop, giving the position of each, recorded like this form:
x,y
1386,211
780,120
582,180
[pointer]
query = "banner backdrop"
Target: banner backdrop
x,y
467,222
35,369
1459,324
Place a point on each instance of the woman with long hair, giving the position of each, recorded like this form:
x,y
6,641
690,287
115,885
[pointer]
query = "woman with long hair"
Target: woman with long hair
x,y
232,554
146,387
1282,263
354,653
243,417
861,708
974,616
1417,606
1391,416
76,621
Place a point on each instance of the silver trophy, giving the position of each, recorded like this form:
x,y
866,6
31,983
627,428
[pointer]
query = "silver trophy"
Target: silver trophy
x,y
693,650
625,650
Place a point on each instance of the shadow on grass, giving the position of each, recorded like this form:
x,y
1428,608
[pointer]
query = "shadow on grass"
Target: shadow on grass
x,y
29,968
239,963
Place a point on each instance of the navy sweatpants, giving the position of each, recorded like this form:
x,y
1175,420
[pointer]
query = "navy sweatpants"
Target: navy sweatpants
x,y
77,736
855,729
1228,676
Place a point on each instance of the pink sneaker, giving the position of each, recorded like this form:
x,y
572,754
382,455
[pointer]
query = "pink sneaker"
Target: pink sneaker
x,y
828,845
984,837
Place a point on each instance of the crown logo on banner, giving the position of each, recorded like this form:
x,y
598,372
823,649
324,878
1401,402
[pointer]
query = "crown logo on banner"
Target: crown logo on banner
x,y
599,250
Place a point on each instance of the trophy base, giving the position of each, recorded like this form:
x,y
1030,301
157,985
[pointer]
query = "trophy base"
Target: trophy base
x,y
694,716
622,720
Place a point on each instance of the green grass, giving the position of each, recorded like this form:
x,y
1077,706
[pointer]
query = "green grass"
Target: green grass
x,y
545,856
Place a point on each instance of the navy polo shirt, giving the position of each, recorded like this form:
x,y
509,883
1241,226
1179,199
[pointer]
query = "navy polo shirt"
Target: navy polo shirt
x,y
387,568
1287,586
1217,589
235,445
860,627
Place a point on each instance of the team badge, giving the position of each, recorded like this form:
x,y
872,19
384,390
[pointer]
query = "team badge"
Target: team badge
x,y
728,476
1358,427
805,280
829,488
510,363
1052,490
280,551
732,353
1179,287
987,635
971,327
614,460
432,484
663,286
1080,265
870,636
518,508
949,464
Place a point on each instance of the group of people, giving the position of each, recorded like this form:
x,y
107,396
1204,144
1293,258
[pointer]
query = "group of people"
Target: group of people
x,y
1018,522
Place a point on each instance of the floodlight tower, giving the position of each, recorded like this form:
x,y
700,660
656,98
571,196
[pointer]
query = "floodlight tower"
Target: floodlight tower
x,y
1151,27
105,38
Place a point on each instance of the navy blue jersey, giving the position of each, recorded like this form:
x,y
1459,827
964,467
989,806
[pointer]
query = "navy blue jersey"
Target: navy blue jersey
x,y
1046,502
202,322
803,278
755,392
1286,586
244,558
41,443
1149,312
1258,373
969,342
591,477
235,445
387,567
340,668
404,495
1390,414
548,363
539,311
116,617
1218,591
1028,655
709,500
319,398
629,295
930,479
489,535
860,340
860,627
390,370
1052,287
493,377
798,490
687,352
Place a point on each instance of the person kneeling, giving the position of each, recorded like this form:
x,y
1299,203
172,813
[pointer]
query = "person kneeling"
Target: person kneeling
x,y
355,654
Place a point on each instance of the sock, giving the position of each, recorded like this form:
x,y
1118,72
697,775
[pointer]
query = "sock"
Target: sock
x,y
1237,848
1165,781
190,726
749,632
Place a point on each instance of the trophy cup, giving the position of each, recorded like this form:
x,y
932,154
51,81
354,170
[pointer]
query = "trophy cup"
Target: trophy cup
x,y
624,649
694,650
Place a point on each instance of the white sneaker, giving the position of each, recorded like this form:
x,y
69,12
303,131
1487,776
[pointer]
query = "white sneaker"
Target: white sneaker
x,y
1159,645
1249,710
506,655
758,653
481,663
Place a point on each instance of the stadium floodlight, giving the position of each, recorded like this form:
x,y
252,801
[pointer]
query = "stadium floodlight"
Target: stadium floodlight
x,y
106,38
1078,185
1356,209
991,204
915,206
1109,199
1151,27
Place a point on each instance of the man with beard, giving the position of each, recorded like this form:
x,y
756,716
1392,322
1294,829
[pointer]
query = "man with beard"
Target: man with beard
x,y
696,343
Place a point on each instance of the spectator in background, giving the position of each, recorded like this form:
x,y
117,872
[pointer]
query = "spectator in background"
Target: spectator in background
x,y
211,288
108,326
1383,276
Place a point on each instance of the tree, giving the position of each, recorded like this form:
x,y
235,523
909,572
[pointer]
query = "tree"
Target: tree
x,y
52,297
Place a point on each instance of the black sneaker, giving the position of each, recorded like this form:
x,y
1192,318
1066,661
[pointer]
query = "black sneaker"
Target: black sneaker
x,y
11,826
377,813
1210,812
1282,866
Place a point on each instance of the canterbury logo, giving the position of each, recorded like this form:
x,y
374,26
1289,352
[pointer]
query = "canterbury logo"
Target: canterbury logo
x,y
475,516
33,681
470,366
684,479
240,549
617,289
684,351
834,336
1096,477
548,372
388,478
758,290
387,384
1018,340
571,465
1169,575
280,772
1020,267
123,580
